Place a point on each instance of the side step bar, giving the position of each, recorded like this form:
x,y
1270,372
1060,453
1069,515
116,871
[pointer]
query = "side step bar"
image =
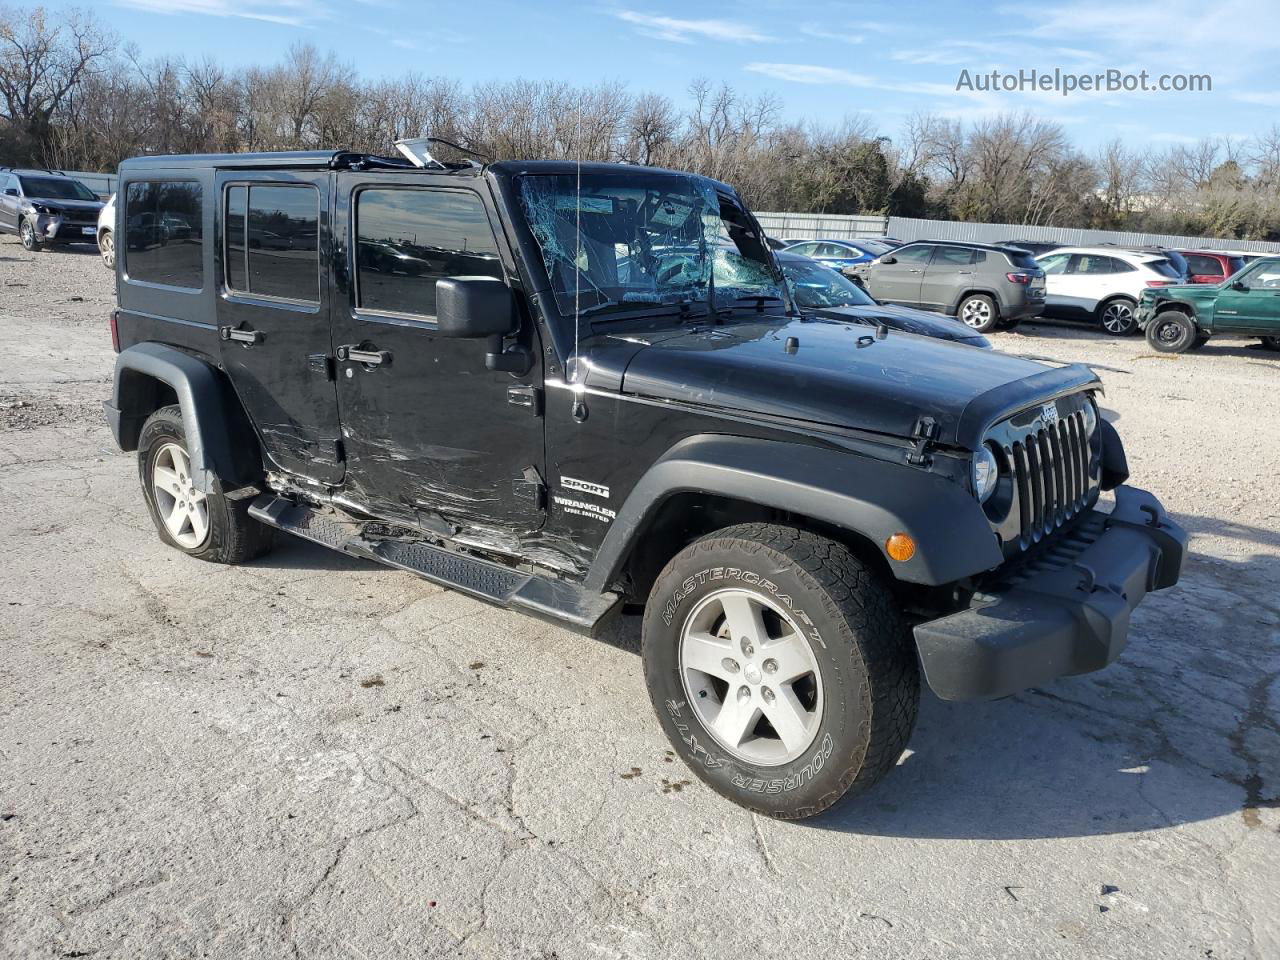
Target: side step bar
x,y
556,601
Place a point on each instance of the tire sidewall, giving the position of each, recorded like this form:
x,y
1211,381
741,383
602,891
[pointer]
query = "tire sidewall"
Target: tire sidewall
x,y
163,427
1186,326
828,767
27,234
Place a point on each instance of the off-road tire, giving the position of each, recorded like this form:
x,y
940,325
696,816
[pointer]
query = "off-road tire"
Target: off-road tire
x,y
870,674
234,536
1118,316
978,312
27,234
1007,325
1172,331
107,248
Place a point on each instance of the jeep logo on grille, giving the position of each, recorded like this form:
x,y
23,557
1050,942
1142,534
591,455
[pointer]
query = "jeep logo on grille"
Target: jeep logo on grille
x,y
1049,414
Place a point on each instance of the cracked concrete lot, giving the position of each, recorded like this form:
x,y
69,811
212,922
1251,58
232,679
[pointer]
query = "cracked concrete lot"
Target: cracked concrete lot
x,y
314,757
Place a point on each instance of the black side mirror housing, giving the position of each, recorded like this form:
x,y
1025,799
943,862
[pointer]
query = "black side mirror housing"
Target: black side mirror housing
x,y
481,308
888,259
1239,285
11,192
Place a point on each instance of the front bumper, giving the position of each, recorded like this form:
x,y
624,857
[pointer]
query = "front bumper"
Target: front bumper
x,y
1064,613
51,228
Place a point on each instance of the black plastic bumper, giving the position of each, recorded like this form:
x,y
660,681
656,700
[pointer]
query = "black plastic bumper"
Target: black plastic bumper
x,y
1061,616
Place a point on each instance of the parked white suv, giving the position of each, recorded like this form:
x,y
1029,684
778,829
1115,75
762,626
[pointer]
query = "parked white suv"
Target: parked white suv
x,y
107,233
1102,284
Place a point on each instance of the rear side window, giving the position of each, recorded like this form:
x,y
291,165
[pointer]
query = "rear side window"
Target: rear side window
x,y
1164,268
408,239
164,233
271,235
1094,264
952,257
920,254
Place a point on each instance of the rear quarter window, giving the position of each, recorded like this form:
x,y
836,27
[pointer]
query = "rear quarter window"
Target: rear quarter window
x,y
164,233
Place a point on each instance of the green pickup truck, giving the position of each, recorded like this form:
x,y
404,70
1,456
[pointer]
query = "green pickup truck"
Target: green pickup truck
x,y
1183,317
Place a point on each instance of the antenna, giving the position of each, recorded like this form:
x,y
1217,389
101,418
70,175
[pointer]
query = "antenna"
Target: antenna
x,y
577,252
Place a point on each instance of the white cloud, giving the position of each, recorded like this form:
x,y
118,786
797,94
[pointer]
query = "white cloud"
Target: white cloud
x,y
1267,98
676,30
819,32
293,13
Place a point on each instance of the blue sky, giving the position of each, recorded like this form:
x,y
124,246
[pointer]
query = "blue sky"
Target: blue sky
x,y
823,60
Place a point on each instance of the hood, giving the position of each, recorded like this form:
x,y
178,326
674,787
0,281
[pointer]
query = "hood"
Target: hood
x,y
91,205
883,386
906,319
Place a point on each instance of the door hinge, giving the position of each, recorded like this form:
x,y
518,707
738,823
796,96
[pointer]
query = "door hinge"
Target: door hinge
x,y
322,364
530,488
523,395
330,451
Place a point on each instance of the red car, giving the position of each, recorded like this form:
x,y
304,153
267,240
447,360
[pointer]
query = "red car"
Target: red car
x,y
1205,267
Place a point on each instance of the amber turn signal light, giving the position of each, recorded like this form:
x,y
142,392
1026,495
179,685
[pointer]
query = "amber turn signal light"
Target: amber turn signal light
x,y
900,547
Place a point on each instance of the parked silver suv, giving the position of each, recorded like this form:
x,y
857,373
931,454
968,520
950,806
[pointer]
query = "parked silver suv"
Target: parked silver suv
x,y
983,285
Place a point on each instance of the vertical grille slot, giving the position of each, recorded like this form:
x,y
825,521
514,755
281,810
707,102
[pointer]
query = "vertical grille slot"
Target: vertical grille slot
x,y
1050,468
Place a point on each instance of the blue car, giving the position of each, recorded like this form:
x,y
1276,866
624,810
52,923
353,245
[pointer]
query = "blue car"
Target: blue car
x,y
839,254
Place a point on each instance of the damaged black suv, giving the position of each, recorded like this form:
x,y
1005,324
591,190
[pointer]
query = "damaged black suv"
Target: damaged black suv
x,y
565,389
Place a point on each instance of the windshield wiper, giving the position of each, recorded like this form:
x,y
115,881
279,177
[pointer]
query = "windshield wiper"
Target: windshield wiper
x,y
634,310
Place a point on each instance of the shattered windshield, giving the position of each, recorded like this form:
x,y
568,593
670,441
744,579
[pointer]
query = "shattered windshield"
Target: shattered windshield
x,y
817,286
613,243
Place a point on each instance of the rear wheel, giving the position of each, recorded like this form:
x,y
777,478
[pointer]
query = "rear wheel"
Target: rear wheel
x,y
1172,332
27,233
107,247
204,524
1271,343
1118,317
979,312
780,667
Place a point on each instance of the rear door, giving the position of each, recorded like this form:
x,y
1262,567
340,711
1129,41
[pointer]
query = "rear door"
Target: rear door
x,y
273,315
429,432
950,269
899,282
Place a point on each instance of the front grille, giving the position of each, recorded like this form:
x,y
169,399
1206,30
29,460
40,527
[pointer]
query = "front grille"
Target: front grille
x,y
1051,470
1049,473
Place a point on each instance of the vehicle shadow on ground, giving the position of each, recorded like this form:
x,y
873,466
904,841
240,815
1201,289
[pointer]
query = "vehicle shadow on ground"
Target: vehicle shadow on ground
x,y
294,553
1218,527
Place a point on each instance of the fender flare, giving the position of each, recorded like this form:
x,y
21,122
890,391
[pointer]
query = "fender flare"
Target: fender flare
x,y
954,309
209,411
872,498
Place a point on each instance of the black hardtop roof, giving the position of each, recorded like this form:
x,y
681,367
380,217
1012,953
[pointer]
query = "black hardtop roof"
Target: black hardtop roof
x,y
322,159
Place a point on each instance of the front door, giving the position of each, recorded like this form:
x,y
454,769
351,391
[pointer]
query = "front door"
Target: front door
x,y
948,273
273,316
1256,307
899,282
430,434
8,203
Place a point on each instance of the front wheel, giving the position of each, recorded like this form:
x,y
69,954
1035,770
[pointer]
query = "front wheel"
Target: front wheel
x,y
27,233
1119,317
1172,332
1271,343
780,667
107,247
203,524
979,312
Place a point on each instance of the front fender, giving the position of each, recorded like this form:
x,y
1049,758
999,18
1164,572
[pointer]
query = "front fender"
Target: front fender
x,y
869,497
209,411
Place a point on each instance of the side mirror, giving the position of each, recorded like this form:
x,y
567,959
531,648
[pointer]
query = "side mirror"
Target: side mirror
x,y
11,191
888,259
1239,285
481,308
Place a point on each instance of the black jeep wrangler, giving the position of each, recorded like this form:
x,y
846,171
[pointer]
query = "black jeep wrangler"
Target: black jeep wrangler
x,y
567,389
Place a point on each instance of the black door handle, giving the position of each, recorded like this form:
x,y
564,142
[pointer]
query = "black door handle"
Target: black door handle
x,y
370,358
247,337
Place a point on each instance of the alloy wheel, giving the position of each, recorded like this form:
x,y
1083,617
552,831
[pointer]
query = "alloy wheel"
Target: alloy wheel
x,y
183,509
1118,318
28,235
976,313
107,247
751,676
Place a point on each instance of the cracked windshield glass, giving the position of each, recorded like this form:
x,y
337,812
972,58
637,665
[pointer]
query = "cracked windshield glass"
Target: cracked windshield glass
x,y
614,245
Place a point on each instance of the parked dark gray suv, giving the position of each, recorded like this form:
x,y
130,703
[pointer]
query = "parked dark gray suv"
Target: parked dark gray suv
x,y
985,286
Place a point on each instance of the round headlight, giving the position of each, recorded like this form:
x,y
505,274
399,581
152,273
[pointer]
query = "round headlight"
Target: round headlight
x,y
986,473
1090,417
